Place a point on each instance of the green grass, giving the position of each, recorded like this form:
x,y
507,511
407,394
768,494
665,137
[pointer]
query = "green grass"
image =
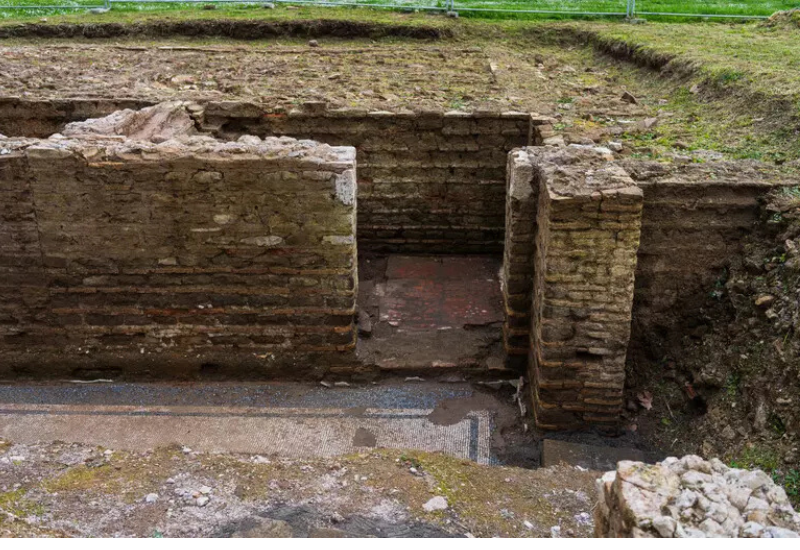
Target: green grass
x,y
15,503
712,7
732,88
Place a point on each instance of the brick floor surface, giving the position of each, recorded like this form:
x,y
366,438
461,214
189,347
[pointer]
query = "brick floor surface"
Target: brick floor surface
x,y
437,292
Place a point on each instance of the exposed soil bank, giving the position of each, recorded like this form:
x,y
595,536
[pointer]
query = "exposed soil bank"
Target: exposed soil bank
x,y
240,30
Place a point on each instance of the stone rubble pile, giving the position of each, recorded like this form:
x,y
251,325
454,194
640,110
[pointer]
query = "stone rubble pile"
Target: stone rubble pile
x,y
692,497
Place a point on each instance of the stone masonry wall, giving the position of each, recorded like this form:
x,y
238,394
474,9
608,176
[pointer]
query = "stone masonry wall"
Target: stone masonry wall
x,y
517,274
176,258
694,220
586,237
427,181
692,498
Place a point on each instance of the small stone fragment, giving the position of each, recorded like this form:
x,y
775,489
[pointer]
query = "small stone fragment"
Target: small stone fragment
x,y
364,324
253,141
686,499
764,300
435,504
755,504
751,530
712,528
628,97
647,124
779,533
665,526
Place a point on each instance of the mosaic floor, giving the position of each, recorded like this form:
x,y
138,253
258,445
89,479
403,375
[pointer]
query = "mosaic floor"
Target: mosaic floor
x,y
290,420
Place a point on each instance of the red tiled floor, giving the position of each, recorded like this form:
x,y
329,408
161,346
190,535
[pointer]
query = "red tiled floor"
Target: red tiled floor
x,y
437,292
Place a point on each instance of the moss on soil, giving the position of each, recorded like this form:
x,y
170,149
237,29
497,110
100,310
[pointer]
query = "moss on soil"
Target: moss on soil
x,y
16,504
129,476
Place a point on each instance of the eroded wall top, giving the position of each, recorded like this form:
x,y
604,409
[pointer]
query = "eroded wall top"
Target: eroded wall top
x,y
167,258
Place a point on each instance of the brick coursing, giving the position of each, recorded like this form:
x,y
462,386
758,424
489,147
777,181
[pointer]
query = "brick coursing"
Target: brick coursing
x,y
517,274
427,181
695,221
163,258
585,237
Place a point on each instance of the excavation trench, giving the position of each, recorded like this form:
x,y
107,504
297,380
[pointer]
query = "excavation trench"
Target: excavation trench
x,y
228,239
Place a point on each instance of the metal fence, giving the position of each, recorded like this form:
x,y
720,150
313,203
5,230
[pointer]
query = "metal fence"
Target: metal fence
x,y
630,9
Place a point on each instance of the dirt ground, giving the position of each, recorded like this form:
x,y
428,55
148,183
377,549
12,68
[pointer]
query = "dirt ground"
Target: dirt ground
x,y
728,386
62,490
285,72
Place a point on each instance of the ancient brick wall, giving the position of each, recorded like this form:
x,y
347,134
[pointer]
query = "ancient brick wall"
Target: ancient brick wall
x,y
695,219
587,236
517,274
428,182
694,223
580,279
165,259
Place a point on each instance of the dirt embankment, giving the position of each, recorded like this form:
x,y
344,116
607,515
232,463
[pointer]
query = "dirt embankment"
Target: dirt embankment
x,y
237,29
673,66
729,385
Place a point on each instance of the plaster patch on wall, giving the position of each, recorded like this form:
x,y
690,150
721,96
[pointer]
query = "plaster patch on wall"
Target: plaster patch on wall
x,y
266,240
520,177
339,239
346,187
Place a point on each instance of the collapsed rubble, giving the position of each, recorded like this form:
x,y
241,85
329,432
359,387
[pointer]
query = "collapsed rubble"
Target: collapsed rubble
x,y
692,498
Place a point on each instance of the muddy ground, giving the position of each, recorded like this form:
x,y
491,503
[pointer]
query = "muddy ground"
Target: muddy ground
x,y
62,490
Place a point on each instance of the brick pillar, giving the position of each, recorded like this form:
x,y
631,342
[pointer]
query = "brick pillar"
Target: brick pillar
x,y
587,236
517,274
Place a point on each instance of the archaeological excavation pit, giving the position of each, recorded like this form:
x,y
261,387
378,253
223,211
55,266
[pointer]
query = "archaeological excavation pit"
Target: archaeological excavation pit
x,y
228,239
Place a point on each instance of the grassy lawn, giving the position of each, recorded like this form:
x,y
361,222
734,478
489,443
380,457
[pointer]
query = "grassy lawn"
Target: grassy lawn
x,y
720,7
